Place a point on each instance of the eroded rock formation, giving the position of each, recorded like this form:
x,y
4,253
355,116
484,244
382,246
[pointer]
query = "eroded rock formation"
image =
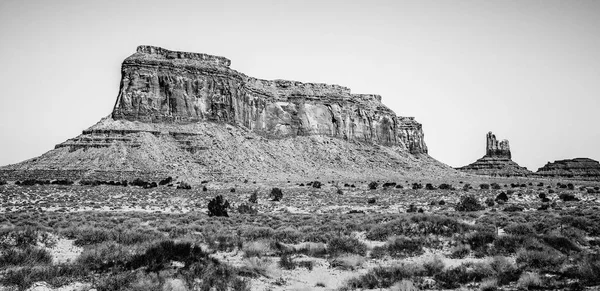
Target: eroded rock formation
x,y
497,161
579,168
159,85
190,115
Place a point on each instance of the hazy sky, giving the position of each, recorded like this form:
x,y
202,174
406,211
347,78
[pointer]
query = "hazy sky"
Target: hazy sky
x,y
527,70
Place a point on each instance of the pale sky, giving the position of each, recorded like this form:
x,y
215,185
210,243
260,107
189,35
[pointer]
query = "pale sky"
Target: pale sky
x,y
527,70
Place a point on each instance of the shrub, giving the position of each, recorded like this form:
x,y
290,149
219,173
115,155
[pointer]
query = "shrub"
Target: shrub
x,y
513,208
286,262
489,202
433,266
519,229
371,200
401,246
496,186
466,187
232,190
218,206
417,224
489,284
246,209
417,186
184,186
479,240
373,185
347,262
442,202
469,203
254,197
502,197
484,186
411,208
346,245
505,270
276,194
165,181
529,280
384,277
465,273
2,182
429,186
20,257
460,251
399,186
315,184
542,260
561,243
389,184
566,197
257,248
445,186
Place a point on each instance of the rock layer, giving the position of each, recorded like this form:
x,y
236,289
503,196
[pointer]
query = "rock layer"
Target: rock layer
x,y
579,168
159,85
497,161
190,115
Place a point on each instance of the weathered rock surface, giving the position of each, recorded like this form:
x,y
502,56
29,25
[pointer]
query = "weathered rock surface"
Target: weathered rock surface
x,y
579,168
159,85
497,161
190,115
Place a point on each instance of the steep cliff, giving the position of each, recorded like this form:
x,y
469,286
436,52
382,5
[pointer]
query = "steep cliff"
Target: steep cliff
x,y
159,85
580,168
497,160
190,115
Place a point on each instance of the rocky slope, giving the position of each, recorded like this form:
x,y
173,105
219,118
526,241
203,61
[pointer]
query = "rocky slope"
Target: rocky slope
x,y
580,168
497,160
190,115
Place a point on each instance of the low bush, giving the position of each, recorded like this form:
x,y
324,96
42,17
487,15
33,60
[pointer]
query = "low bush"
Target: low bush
x,y
346,245
29,256
316,184
460,251
445,186
246,209
184,186
429,186
417,186
545,260
468,203
254,197
218,206
418,225
389,185
384,277
276,194
373,185
502,197
529,280
566,197
484,186
347,262
400,247
166,181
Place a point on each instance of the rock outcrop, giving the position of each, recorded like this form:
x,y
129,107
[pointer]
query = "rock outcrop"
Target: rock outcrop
x,y
579,168
189,114
497,161
159,85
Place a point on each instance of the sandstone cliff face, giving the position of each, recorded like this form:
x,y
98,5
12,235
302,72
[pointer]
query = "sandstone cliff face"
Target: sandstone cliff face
x,y
161,86
497,161
580,168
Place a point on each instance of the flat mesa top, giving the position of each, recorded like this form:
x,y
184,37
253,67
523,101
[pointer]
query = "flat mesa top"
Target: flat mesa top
x,y
168,54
